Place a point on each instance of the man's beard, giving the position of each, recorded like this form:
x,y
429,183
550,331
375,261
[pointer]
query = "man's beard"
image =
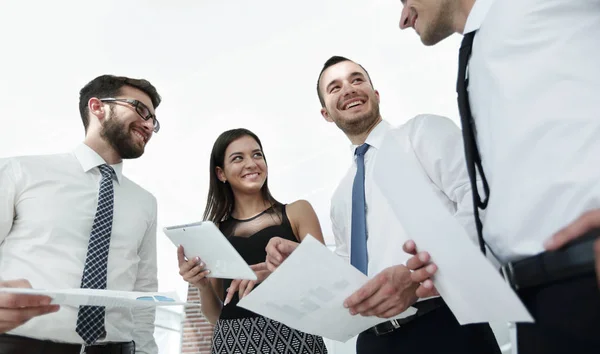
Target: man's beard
x,y
120,138
360,124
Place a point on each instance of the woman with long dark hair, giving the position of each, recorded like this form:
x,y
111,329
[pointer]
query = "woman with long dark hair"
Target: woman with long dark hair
x,y
240,204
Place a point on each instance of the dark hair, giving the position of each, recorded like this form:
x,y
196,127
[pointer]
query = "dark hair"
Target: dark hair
x,y
109,86
330,62
220,201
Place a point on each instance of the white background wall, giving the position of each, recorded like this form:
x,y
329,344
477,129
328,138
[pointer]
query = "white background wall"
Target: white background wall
x,y
218,65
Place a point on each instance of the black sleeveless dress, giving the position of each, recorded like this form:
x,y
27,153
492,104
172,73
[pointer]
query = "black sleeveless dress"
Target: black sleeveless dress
x,y
241,331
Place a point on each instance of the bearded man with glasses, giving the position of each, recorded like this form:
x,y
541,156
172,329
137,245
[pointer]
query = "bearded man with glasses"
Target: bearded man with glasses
x,y
74,220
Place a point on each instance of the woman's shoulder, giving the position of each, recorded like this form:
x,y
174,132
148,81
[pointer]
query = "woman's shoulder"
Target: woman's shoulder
x,y
298,208
299,205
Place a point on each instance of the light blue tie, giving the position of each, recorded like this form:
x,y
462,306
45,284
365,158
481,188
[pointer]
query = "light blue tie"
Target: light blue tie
x,y
358,242
90,319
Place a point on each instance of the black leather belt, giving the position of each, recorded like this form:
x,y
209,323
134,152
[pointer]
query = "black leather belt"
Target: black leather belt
x,y
423,307
574,259
11,344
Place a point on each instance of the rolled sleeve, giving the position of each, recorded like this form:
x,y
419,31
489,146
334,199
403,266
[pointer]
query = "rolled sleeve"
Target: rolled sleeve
x,y
437,142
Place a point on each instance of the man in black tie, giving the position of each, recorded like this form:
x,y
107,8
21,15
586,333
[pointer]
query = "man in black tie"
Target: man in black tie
x,y
370,236
74,220
528,87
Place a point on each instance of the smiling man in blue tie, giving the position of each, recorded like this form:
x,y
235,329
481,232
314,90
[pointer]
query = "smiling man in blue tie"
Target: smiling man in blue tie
x,y
370,236
75,221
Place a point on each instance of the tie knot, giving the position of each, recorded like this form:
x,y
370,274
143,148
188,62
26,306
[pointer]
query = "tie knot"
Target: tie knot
x,y
361,150
106,171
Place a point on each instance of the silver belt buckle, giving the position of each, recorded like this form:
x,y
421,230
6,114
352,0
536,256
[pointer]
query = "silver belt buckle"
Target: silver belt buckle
x,y
82,350
395,326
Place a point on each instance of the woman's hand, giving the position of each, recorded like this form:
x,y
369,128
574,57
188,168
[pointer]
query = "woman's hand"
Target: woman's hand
x,y
192,270
243,287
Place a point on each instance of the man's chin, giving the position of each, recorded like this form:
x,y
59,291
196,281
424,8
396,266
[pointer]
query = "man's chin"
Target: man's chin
x,y
356,117
430,39
427,42
131,153
355,127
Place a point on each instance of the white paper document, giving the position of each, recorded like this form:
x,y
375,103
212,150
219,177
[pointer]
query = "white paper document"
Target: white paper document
x,y
473,289
307,293
107,298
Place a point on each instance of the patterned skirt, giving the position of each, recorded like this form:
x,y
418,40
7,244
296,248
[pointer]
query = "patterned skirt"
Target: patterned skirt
x,y
262,335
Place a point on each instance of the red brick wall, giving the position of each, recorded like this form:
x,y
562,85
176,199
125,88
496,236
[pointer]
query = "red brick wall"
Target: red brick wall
x,y
197,332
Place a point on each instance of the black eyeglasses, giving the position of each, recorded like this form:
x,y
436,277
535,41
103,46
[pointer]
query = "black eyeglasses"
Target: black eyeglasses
x,y
140,108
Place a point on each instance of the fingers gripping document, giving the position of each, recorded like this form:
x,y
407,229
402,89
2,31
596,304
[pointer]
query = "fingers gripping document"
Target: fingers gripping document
x,y
307,293
473,289
106,298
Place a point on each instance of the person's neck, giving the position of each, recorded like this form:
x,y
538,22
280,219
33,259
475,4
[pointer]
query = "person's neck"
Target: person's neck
x,y
461,13
248,205
103,149
360,139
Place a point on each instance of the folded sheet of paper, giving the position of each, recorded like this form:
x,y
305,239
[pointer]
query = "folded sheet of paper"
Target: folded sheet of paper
x,y
307,293
107,298
467,281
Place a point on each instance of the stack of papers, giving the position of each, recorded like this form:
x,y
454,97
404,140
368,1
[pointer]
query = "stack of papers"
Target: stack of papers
x,y
106,298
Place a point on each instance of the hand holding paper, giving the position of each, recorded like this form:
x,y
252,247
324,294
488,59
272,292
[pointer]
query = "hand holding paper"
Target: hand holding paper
x,y
16,309
278,249
423,270
307,293
386,295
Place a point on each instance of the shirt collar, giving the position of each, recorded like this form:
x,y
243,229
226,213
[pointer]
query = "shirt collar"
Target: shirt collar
x,y
90,159
477,15
375,138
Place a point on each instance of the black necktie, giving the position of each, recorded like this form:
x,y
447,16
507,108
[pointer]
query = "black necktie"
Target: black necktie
x,y
90,319
468,130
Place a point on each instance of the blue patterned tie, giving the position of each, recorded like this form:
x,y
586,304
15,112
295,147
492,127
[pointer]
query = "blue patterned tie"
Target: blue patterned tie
x,y
90,319
358,242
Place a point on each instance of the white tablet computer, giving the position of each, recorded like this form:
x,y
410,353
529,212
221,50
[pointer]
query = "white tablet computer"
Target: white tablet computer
x,y
205,240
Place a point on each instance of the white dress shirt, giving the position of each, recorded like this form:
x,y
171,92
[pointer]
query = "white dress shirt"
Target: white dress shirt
x,y
47,208
534,88
437,144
